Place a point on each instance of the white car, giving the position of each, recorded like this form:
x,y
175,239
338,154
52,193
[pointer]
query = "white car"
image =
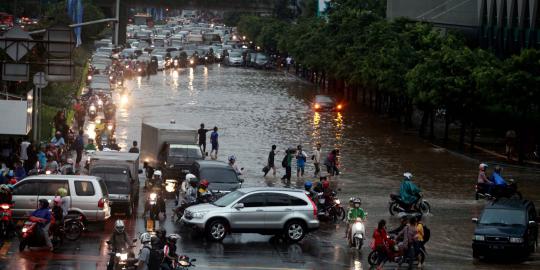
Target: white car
x,y
160,62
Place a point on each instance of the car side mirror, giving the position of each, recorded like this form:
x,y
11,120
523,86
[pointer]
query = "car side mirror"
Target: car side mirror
x,y
238,206
532,222
475,220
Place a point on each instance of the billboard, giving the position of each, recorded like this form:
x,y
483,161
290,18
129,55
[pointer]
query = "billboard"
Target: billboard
x,y
20,117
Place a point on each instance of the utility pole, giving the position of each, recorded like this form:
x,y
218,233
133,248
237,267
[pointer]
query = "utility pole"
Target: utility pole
x,y
117,23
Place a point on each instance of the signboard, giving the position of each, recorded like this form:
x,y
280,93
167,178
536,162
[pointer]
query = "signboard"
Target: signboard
x,y
16,43
17,122
15,72
39,80
29,110
59,70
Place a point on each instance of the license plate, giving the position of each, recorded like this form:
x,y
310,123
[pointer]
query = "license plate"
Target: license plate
x,y
496,247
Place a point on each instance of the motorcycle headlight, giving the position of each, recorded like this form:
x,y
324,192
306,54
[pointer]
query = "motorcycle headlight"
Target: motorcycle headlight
x,y
92,108
100,102
517,240
358,226
199,214
337,201
191,62
478,237
169,187
153,196
123,256
24,230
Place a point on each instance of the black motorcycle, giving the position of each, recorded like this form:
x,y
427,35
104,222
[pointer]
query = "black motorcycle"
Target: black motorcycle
x,y
184,262
122,259
396,205
495,192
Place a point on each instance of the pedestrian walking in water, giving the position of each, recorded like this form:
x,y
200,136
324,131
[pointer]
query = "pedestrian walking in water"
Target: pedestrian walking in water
x,y
286,163
202,138
301,158
215,144
78,145
316,157
271,158
288,61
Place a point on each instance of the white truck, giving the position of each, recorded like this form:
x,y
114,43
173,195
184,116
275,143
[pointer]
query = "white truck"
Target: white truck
x,y
171,148
120,171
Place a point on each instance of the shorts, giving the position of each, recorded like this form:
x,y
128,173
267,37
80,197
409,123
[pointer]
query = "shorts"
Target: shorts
x,y
215,146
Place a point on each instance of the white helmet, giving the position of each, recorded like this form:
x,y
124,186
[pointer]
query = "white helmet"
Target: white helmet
x,y
157,173
482,166
190,176
119,226
145,238
408,175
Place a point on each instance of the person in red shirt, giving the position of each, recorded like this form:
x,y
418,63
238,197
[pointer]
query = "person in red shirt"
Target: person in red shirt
x,y
380,239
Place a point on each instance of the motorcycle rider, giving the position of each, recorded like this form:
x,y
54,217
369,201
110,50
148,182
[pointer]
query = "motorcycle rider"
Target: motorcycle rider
x,y
169,252
409,235
232,163
191,192
355,212
68,168
408,191
308,187
58,214
144,254
202,192
42,216
119,239
483,182
496,177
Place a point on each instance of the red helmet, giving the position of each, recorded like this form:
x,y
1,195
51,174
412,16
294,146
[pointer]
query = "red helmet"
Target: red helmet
x,y
325,184
204,183
12,181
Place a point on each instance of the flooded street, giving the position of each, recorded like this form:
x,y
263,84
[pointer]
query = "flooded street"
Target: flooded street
x,y
254,109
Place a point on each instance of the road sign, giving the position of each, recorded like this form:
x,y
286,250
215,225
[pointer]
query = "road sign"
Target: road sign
x,y
16,43
39,80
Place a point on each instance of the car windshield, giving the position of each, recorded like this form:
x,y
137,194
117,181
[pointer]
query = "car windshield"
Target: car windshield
x,y
229,198
323,99
219,175
235,54
503,217
178,150
116,186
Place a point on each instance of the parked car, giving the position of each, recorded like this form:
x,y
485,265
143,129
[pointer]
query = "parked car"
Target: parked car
x,y
160,61
325,103
234,59
86,195
222,177
507,227
262,61
280,211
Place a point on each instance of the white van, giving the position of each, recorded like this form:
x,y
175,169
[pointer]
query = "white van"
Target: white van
x,y
87,195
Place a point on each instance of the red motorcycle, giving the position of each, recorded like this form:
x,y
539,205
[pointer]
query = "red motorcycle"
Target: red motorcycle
x,y
394,254
31,236
6,221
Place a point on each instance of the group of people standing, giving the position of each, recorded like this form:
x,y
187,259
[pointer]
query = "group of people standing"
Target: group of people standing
x,y
331,162
214,140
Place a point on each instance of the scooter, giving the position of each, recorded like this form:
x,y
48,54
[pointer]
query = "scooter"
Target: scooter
x,y
396,205
332,210
92,112
357,234
31,237
122,259
508,191
396,254
6,221
184,262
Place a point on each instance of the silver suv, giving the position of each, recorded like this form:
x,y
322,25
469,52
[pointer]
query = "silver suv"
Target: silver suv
x,y
256,210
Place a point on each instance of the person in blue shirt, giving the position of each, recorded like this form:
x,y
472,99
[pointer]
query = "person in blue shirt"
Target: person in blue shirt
x,y
496,177
301,158
42,158
214,141
43,216
408,191
58,140
20,173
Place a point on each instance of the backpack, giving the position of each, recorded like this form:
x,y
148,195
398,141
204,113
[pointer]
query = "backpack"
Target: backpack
x,y
155,259
284,162
427,233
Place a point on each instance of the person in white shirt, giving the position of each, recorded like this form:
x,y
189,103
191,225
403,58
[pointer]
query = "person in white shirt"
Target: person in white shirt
x,y
317,160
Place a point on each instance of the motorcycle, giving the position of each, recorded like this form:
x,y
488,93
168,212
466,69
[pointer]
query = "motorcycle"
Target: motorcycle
x,y
6,220
154,204
333,209
357,234
395,254
92,112
32,237
396,205
494,192
123,259
73,227
183,263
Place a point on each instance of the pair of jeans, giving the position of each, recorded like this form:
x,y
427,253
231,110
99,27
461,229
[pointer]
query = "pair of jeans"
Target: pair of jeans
x,y
45,233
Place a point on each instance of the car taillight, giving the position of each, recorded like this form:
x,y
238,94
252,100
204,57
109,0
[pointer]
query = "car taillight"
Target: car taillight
x,y
101,203
314,206
5,206
317,106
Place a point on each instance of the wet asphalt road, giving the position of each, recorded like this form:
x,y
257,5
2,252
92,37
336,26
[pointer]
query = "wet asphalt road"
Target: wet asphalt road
x,y
255,109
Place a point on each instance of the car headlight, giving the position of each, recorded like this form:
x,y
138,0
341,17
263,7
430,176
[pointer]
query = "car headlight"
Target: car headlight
x,y
479,237
517,240
199,214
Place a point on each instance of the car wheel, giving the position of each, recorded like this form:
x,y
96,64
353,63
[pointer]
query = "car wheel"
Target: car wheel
x,y
295,231
217,230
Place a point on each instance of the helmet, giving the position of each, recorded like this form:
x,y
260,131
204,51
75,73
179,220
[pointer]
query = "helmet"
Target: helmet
x,y
44,202
69,161
119,226
351,199
191,178
57,200
157,173
357,201
325,184
145,237
173,237
408,175
62,192
232,158
482,166
13,181
204,183
308,185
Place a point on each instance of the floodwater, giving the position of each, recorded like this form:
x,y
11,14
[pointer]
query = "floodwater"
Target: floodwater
x,y
254,109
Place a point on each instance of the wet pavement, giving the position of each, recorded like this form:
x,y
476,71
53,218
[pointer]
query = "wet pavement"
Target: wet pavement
x,y
255,109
